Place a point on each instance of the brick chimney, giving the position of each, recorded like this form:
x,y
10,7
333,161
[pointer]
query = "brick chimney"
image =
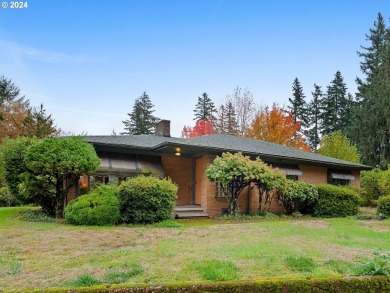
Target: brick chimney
x,y
163,128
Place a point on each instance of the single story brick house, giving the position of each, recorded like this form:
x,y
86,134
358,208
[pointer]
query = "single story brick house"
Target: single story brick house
x,y
186,160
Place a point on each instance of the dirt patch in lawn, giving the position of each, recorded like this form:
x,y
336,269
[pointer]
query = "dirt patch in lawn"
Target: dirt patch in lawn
x,y
316,224
377,225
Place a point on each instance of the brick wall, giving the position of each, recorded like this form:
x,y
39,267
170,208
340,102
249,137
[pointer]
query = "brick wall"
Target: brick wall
x,y
356,182
314,174
180,171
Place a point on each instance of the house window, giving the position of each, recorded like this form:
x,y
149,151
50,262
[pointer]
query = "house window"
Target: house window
x,y
339,182
292,177
340,177
219,190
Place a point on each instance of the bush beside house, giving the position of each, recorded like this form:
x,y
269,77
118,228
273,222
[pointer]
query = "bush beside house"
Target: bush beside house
x,y
99,207
298,196
336,201
384,206
146,200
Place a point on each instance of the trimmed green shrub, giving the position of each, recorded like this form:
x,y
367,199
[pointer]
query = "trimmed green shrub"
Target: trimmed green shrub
x,y
298,196
6,198
99,207
375,183
146,200
384,206
336,201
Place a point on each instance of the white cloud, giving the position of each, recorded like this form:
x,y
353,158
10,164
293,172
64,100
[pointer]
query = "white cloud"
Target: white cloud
x,y
43,55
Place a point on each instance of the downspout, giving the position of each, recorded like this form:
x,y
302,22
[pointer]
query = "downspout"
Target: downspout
x,y
249,199
193,181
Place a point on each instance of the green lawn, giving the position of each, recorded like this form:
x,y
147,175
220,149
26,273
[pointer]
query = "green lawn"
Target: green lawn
x,y
51,254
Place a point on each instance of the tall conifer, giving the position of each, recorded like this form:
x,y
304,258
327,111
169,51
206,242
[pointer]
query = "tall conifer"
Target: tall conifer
x,y
204,108
298,106
141,119
314,111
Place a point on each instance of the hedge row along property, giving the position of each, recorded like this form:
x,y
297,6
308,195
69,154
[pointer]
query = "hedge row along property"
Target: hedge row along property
x,y
298,285
185,161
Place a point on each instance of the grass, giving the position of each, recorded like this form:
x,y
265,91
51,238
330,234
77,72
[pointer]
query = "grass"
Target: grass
x,y
216,270
46,254
300,264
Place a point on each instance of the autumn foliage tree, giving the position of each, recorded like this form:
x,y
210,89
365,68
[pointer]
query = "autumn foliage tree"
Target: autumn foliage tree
x,y
277,125
202,127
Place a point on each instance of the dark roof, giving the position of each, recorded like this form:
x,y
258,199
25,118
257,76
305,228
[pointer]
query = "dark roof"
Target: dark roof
x,y
221,142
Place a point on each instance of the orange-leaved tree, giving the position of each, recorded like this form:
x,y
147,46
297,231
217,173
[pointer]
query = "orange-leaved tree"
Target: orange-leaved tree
x,y
277,125
202,127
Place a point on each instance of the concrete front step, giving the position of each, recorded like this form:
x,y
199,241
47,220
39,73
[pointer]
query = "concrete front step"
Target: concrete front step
x,y
189,208
189,211
179,215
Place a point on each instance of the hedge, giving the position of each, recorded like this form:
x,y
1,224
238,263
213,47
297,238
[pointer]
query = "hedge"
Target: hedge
x,y
146,200
99,207
295,285
336,201
384,206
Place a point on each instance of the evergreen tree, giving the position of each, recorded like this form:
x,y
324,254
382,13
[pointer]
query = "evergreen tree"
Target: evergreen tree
x,y
314,111
226,121
8,90
141,119
39,124
231,119
205,108
220,121
371,119
298,105
372,55
334,106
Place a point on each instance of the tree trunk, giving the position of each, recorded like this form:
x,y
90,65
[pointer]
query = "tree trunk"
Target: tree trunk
x,y
59,200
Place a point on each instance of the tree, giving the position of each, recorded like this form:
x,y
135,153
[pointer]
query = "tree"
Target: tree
x,y
335,106
8,90
372,55
202,127
234,173
268,182
141,119
13,118
371,120
39,124
338,146
277,126
58,163
226,121
245,108
12,162
298,105
204,108
314,112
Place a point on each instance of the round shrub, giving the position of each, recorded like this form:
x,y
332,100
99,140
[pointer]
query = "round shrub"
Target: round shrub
x,y
146,200
99,207
336,201
384,206
298,196
6,198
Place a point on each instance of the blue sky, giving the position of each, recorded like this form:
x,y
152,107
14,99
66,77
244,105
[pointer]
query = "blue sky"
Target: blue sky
x,y
87,61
